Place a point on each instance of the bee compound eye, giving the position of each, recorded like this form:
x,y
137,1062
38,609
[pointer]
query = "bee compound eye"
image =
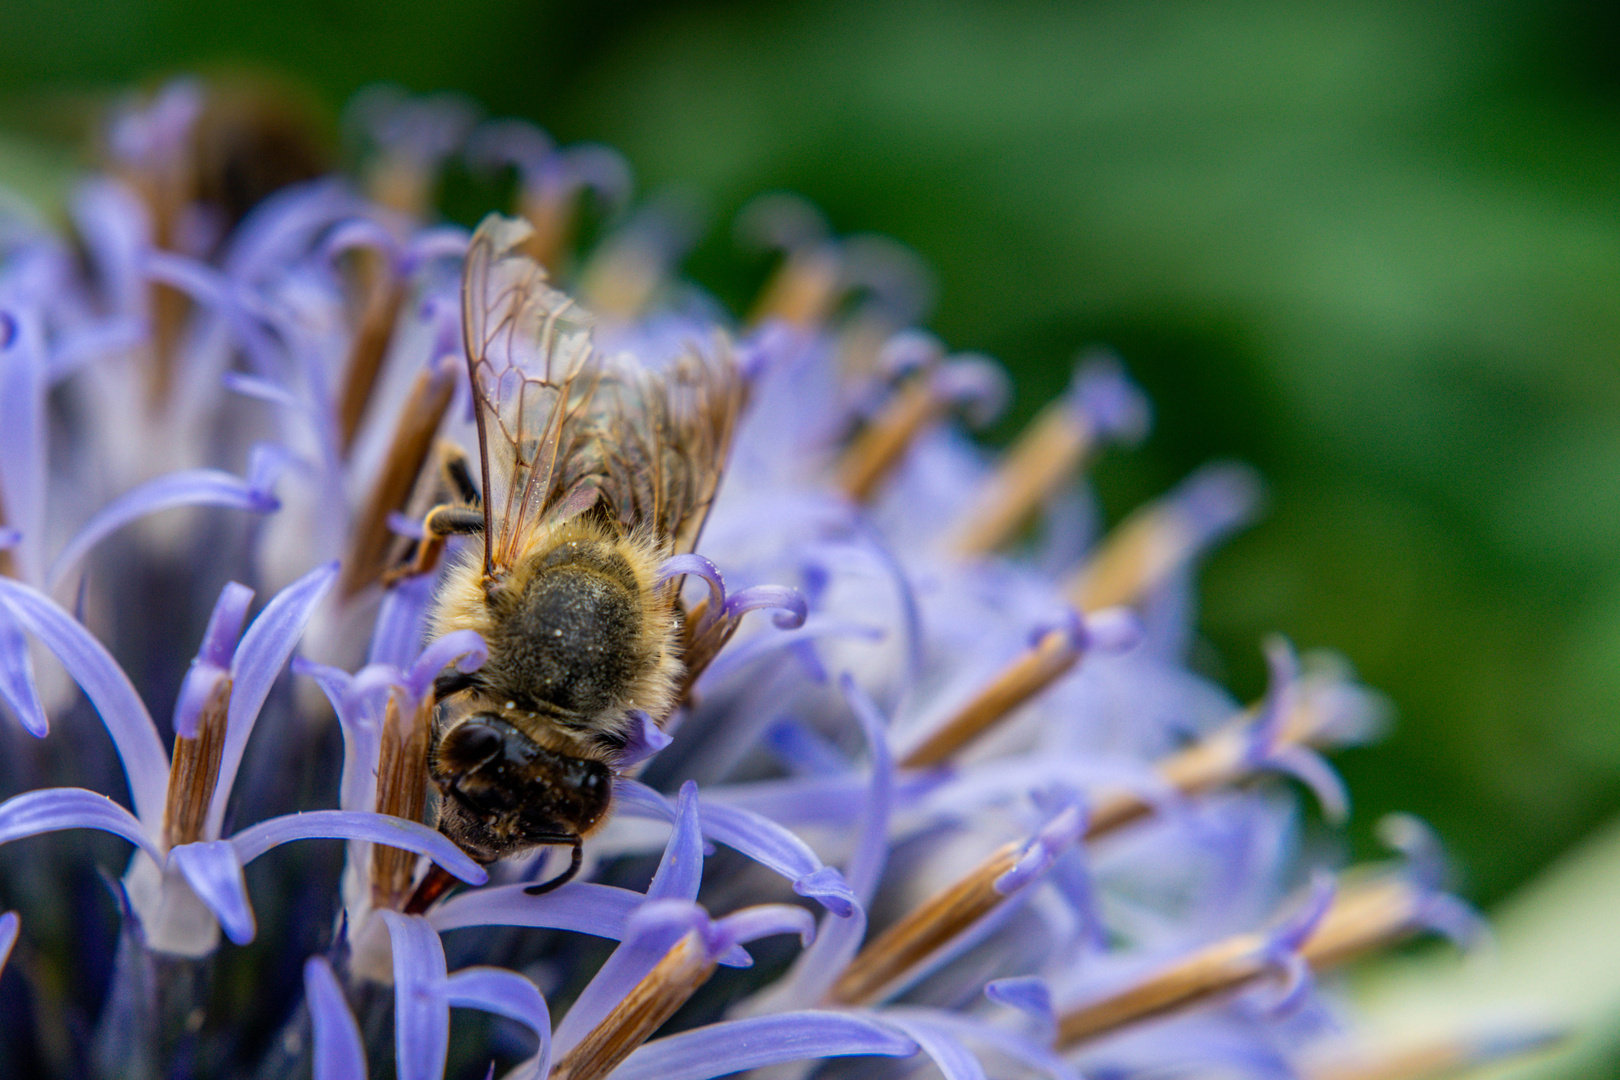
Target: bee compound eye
x,y
471,744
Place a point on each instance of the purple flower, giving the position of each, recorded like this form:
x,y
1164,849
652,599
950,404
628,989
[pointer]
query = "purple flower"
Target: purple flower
x,y
960,798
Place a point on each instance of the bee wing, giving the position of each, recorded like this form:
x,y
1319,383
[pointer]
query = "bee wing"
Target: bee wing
x,y
532,367
653,444
562,428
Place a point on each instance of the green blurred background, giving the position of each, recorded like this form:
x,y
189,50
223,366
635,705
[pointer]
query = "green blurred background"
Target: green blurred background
x,y
1372,248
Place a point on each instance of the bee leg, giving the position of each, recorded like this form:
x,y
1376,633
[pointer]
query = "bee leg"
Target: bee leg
x,y
459,472
435,883
441,523
577,843
453,681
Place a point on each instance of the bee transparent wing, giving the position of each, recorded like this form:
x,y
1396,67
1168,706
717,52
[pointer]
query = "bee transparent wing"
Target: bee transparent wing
x,y
654,443
533,374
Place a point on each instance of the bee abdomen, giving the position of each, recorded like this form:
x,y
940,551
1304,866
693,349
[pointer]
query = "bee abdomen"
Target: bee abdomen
x,y
571,639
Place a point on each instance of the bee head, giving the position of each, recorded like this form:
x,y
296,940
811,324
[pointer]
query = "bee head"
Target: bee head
x,y
501,792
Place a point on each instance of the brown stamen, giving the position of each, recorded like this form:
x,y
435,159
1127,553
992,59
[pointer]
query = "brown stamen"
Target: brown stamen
x,y
1047,452
925,929
803,290
550,211
195,771
413,439
702,640
1220,759
1368,917
401,185
882,443
1022,679
402,781
1139,554
384,297
653,1000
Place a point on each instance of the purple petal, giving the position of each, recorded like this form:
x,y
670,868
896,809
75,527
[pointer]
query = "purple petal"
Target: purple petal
x,y
1281,695
791,605
952,1058
259,389
1113,630
820,964
1105,396
739,656
397,637
1029,994
908,351
255,840
195,487
1217,499
22,451
115,228
677,565
975,383
213,658
225,624
1412,837
1312,770
504,993
509,142
258,661
339,1054
643,741
214,873
739,1045
752,834
600,169
214,292
653,928
1042,851
421,1012
463,649
1031,1052
9,925
804,751
360,732
53,809
1297,983
146,764
17,686
153,133
408,527
428,245
285,224
583,907
9,537
762,920
680,870
871,849
1455,919
359,233
1300,925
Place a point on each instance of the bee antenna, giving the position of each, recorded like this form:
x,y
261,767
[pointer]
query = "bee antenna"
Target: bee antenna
x,y
577,843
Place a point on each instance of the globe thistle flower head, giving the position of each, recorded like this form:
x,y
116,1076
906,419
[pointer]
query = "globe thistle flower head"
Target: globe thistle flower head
x,y
938,785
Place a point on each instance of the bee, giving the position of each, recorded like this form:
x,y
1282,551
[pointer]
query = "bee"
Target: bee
x,y
595,471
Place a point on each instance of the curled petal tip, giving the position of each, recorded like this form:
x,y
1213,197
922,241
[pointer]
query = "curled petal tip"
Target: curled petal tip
x,y
1113,630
